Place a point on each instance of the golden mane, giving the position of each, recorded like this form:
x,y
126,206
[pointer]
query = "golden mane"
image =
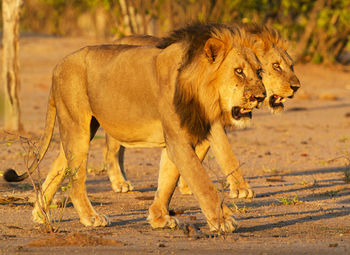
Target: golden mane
x,y
269,35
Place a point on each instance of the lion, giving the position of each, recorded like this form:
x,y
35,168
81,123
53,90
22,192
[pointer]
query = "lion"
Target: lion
x,y
280,83
174,96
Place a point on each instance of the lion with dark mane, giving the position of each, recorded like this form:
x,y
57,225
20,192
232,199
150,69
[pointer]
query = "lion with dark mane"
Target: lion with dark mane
x,y
280,83
175,96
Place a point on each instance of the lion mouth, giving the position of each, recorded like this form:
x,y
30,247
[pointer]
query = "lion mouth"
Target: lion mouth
x,y
276,101
239,112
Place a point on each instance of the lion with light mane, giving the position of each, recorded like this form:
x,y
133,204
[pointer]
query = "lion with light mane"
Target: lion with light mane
x,y
175,96
280,83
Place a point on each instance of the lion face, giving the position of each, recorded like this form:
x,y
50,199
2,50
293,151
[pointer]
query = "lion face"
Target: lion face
x,y
278,77
240,87
219,82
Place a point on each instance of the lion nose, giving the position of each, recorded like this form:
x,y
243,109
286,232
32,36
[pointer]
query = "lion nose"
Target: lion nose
x,y
258,98
295,87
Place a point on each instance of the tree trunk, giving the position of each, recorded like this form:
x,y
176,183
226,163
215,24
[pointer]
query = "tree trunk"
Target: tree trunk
x,y
309,29
129,29
10,79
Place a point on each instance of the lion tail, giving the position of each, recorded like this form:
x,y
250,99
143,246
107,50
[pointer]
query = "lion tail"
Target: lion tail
x,y
10,175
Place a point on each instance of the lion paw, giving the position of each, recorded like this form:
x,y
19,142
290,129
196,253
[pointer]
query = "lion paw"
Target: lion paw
x,y
242,193
95,221
227,225
165,221
122,187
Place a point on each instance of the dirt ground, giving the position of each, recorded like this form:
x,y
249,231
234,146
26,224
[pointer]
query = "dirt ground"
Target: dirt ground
x,y
295,163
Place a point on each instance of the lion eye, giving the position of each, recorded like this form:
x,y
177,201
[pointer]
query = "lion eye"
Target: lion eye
x,y
239,71
277,66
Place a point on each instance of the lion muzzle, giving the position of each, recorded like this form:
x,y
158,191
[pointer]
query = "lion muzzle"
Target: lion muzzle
x,y
240,112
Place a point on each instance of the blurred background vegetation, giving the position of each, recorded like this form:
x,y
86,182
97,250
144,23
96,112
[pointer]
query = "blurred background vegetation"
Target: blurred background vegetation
x,y
319,30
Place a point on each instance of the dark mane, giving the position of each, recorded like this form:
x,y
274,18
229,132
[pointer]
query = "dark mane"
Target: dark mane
x,y
188,105
193,36
192,114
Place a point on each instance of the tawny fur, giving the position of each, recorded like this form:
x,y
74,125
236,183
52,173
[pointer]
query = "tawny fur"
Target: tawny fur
x,y
270,48
133,99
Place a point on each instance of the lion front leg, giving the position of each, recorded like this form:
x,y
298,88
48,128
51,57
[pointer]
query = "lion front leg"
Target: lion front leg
x,y
239,188
114,161
219,216
221,147
201,151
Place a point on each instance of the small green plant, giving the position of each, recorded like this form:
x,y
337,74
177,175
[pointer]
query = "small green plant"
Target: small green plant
x,y
271,170
344,138
347,174
9,142
332,193
27,186
241,210
324,162
303,182
315,183
286,201
346,170
317,58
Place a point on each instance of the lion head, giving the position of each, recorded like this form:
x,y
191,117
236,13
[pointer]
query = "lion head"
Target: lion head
x,y
218,79
278,75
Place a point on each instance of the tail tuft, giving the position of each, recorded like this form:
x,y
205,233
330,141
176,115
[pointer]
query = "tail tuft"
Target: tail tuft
x,y
11,176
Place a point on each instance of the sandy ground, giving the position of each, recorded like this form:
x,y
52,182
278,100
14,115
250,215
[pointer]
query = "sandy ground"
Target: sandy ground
x,y
295,162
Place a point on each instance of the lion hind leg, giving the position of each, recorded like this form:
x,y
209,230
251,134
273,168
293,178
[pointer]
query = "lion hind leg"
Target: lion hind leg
x,y
75,141
50,187
159,211
114,161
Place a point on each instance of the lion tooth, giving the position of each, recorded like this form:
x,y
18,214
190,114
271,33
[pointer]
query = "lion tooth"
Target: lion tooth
x,y
278,100
243,110
283,100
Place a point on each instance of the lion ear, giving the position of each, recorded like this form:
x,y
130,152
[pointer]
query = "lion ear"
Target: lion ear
x,y
259,43
212,48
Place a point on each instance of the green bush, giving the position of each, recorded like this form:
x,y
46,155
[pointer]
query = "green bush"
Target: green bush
x,y
318,29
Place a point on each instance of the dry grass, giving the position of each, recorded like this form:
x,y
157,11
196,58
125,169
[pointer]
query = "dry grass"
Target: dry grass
x,y
48,213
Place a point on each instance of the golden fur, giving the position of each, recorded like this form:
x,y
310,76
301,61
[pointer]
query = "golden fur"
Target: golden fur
x,y
270,48
278,74
176,96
